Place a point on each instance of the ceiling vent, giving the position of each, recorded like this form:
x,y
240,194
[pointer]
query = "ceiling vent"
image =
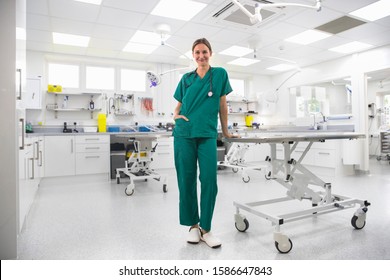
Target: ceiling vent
x,y
230,14
340,25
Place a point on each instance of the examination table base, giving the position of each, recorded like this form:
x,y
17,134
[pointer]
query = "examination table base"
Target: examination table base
x,y
301,184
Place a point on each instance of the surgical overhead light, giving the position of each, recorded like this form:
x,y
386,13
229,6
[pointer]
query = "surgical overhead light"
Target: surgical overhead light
x,y
154,78
256,17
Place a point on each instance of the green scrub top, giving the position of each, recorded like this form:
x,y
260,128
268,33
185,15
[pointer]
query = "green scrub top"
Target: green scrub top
x,y
200,108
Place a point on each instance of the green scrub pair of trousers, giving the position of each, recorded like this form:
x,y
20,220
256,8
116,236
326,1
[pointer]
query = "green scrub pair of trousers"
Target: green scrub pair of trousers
x,y
188,153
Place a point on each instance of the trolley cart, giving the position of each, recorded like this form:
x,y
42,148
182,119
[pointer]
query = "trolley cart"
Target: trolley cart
x,y
235,159
139,157
300,184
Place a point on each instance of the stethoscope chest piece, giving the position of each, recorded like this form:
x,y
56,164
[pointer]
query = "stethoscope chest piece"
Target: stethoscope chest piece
x,y
210,93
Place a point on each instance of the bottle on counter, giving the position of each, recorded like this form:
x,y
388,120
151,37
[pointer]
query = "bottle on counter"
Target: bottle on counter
x,y
102,122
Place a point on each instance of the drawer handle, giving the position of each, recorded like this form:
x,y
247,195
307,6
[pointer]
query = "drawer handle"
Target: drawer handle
x,y
167,153
322,153
92,148
92,156
94,139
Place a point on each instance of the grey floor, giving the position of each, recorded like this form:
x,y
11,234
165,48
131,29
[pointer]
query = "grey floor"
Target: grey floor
x,y
98,221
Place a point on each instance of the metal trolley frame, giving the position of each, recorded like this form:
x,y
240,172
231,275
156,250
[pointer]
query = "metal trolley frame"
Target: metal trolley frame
x,y
299,182
138,162
235,159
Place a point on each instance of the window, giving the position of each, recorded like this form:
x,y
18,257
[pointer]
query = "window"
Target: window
x,y
308,100
65,75
100,78
133,80
238,86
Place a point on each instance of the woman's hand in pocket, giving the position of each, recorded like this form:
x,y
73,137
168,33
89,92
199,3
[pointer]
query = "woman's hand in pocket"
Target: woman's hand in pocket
x,y
180,117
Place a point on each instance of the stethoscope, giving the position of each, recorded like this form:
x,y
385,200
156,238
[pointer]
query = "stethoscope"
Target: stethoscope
x,y
210,93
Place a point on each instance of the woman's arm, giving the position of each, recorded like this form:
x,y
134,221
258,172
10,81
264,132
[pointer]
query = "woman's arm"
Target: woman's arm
x,y
177,112
223,116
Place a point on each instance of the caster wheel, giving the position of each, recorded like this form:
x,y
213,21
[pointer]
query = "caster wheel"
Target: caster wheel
x,y
165,188
235,170
358,223
129,192
118,180
285,247
242,226
268,176
246,180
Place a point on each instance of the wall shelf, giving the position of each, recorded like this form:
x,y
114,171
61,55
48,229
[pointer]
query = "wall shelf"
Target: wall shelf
x,y
71,98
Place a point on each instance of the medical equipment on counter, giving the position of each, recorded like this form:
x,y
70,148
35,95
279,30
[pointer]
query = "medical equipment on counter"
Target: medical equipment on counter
x,y
235,159
139,156
296,178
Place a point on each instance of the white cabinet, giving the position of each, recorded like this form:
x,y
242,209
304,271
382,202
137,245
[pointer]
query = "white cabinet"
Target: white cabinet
x,y
29,177
76,155
92,154
59,155
164,155
33,93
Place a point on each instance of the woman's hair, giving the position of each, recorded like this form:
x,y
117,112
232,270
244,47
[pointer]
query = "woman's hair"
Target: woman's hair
x,y
202,41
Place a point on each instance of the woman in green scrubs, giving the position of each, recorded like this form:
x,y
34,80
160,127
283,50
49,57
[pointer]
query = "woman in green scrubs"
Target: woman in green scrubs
x,y
201,96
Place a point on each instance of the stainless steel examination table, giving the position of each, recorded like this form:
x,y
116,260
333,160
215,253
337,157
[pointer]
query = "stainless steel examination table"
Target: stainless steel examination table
x,y
301,184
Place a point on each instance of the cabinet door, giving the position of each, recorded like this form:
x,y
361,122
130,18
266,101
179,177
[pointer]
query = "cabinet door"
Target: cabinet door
x,y
33,93
92,163
59,156
163,157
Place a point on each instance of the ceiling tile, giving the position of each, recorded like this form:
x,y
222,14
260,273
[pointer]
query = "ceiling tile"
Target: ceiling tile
x,y
362,31
107,44
39,36
309,19
121,18
73,10
196,30
108,32
132,5
346,6
102,53
39,7
72,26
231,37
38,22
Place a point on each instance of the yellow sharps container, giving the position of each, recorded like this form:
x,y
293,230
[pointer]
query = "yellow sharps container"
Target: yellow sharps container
x,y
248,120
102,122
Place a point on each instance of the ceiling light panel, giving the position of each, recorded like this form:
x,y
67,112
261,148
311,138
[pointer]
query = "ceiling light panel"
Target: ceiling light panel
x,y
373,11
70,39
308,37
243,61
351,47
178,9
236,51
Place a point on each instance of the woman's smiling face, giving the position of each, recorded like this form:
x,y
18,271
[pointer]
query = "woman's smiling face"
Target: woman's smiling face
x,y
201,54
